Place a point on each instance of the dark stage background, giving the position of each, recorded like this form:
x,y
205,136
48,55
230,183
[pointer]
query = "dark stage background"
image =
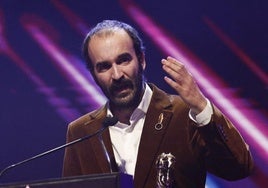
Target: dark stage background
x,y
44,83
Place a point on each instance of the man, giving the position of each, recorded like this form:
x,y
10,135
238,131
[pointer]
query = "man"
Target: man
x,y
150,121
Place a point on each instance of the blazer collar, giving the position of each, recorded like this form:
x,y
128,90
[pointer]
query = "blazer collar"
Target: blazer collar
x,y
97,118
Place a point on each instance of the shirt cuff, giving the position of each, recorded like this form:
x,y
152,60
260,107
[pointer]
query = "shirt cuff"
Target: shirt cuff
x,y
204,117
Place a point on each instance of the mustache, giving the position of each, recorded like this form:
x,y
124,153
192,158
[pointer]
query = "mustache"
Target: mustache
x,y
119,84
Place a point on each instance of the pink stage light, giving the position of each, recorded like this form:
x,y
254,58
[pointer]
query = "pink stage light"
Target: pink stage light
x,y
60,104
76,22
69,69
238,51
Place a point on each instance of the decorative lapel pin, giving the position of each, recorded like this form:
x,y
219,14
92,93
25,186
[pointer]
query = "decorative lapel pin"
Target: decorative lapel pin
x,y
159,124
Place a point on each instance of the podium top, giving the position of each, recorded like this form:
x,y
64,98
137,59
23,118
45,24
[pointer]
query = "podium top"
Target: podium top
x,y
111,180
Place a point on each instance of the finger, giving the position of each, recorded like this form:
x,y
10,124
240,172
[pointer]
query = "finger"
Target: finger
x,y
174,70
173,60
172,64
175,85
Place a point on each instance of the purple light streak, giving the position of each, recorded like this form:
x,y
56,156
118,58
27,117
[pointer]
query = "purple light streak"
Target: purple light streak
x,y
238,51
76,22
60,104
70,71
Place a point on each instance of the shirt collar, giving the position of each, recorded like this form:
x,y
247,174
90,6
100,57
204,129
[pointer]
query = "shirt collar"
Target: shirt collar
x,y
146,99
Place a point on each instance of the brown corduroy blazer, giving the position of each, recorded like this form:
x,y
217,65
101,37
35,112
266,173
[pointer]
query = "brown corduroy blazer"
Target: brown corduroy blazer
x,y
217,148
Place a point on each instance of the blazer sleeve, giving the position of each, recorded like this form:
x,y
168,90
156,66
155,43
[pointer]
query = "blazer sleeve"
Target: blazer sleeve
x,y
226,153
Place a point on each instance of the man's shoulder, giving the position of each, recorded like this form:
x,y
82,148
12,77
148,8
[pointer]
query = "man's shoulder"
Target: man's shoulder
x,y
88,118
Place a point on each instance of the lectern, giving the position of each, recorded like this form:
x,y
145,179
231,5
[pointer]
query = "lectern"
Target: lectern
x,y
111,180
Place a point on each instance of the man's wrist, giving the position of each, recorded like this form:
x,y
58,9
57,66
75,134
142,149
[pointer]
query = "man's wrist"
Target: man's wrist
x,y
204,117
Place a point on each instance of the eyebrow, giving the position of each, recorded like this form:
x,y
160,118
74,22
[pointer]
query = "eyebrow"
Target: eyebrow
x,y
124,55
101,62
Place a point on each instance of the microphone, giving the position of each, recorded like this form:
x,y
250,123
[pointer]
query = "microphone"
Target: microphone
x,y
108,121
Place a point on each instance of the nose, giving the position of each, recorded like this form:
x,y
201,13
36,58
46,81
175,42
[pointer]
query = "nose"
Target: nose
x,y
117,72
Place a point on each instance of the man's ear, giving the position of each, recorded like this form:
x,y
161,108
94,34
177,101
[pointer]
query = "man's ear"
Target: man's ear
x,y
142,61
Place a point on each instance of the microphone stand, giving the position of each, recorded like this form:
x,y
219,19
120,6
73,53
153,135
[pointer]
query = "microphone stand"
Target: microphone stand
x,y
105,152
53,150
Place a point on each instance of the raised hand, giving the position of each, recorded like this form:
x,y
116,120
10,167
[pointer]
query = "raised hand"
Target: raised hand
x,y
184,84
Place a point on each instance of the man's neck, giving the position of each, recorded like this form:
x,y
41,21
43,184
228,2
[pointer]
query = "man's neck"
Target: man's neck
x,y
123,115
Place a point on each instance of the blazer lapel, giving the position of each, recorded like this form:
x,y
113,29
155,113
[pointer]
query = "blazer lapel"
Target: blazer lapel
x,y
156,123
96,144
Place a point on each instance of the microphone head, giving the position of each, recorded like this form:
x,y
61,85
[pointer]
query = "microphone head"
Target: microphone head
x,y
109,121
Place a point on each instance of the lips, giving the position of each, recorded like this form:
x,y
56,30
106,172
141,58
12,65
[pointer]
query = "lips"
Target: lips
x,y
121,89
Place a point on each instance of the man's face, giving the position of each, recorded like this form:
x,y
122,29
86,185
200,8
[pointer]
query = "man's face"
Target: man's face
x,y
116,68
